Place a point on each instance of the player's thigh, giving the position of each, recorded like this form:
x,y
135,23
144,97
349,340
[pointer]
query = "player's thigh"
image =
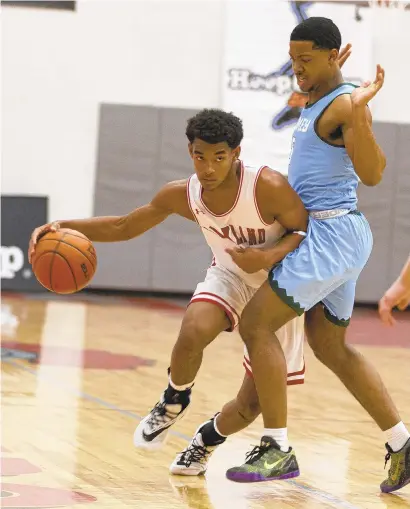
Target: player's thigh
x,y
202,323
265,310
225,290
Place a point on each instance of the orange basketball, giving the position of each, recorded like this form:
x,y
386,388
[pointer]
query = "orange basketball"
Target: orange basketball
x,y
64,261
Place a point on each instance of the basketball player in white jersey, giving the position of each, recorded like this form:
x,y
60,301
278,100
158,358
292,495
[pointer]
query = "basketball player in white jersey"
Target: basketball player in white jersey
x,y
237,207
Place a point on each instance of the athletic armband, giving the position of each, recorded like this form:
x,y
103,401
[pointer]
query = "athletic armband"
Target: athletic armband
x,y
303,234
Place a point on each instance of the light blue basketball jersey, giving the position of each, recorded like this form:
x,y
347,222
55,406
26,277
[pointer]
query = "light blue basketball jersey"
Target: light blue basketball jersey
x,y
321,173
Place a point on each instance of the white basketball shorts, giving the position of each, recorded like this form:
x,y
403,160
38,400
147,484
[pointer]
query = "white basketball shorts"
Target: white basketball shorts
x,y
228,291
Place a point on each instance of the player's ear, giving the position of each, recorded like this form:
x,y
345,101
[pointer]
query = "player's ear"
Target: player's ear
x,y
237,152
333,56
191,150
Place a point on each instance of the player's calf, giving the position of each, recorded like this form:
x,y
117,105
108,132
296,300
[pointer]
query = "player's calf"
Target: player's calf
x,y
201,324
235,416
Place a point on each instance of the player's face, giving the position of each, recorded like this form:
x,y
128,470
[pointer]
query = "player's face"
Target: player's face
x,y
311,66
212,162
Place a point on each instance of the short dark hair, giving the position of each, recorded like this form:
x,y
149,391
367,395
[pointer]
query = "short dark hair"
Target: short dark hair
x,y
215,126
321,31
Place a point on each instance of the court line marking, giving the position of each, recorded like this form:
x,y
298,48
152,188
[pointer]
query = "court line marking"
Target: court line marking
x,y
318,494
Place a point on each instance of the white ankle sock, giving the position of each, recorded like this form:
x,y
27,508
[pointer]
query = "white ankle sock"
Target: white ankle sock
x,y
280,435
397,436
180,387
216,428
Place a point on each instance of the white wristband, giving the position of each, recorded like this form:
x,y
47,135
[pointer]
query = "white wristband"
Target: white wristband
x,y
303,234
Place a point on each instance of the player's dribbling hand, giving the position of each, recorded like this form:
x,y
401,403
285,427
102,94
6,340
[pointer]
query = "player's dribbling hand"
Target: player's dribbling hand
x,y
398,295
362,95
39,232
248,259
344,54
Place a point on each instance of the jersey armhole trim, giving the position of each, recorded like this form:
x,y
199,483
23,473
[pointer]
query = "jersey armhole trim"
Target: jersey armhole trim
x,y
254,196
189,199
320,116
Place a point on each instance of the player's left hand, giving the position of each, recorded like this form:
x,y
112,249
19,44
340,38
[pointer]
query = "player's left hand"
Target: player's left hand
x,y
248,259
362,95
344,54
398,295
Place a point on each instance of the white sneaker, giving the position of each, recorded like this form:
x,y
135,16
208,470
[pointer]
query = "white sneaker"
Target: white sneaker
x,y
193,460
152,431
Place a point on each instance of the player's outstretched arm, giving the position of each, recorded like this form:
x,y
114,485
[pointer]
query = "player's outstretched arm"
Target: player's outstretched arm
x,y
277,201
367,156
170,199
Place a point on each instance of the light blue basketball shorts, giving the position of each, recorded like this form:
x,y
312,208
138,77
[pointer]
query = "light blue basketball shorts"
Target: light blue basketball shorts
x,y
325,266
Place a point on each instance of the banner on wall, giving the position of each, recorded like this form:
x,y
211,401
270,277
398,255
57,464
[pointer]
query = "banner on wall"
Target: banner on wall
x,y
258,81
19,216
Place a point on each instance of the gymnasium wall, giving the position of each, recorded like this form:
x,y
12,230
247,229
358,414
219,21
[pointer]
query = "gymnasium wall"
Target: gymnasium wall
x,y
75,84
173,256
59,66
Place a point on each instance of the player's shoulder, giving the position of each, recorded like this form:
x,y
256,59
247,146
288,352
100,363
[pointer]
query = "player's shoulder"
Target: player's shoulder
x,y
342,109
341,105
272,190
271,180
171,194
270,185
175,186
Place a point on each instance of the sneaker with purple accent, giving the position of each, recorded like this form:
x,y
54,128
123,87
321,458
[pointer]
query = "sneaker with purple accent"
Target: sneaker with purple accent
x,y
399,471
266,462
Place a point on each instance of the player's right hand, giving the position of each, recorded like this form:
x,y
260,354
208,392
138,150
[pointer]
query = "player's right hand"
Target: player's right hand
x,y
363,94
344,54
398,295
37,234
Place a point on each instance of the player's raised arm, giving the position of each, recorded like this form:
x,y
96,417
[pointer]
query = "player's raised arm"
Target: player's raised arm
x,y
169,200
367,156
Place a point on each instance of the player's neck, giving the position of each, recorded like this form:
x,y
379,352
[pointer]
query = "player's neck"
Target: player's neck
x,y
324,88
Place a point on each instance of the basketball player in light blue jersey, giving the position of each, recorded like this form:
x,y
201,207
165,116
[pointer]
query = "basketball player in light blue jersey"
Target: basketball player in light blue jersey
x,y
333,147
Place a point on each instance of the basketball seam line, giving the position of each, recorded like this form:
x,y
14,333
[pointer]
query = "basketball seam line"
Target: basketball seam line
x,y
69,266
51,266
74,247
54,252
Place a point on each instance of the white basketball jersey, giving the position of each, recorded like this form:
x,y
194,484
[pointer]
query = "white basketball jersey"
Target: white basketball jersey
x,y
242,225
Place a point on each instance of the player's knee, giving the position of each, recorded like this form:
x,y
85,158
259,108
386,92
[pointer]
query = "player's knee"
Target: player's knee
x,y
248,329
326,340
195,335
320,349
329,352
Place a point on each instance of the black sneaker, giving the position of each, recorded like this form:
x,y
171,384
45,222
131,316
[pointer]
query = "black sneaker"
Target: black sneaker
x,y
152,431
193,460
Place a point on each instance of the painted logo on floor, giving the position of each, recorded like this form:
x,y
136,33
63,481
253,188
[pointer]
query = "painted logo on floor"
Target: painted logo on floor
x,y
63,356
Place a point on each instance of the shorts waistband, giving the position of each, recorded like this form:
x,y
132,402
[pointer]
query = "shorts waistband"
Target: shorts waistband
x,y
329,214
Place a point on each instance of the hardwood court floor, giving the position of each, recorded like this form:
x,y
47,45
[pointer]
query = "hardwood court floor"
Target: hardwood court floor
x,y
78,374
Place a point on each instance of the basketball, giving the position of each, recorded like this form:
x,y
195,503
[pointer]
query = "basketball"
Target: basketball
x,y
64,261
